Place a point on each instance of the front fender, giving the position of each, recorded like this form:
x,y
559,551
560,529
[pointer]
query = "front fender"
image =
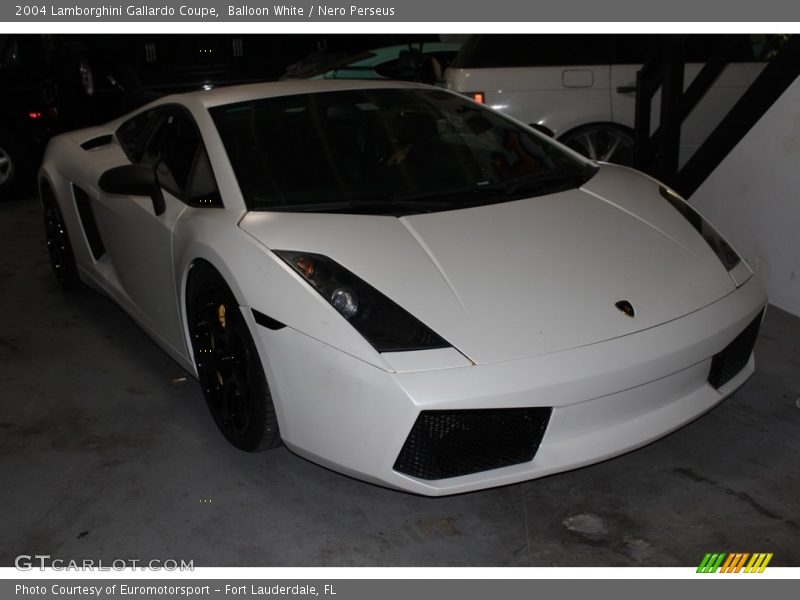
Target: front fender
x,y
259,280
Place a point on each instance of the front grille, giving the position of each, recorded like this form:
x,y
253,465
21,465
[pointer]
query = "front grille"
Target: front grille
x,y
726,364
449,443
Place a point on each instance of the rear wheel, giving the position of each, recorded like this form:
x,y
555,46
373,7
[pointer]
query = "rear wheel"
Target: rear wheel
x,y
228,365
602,141
62,260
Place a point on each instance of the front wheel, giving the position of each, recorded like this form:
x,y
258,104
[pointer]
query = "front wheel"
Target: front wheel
x,y
228,366
602,141
62,259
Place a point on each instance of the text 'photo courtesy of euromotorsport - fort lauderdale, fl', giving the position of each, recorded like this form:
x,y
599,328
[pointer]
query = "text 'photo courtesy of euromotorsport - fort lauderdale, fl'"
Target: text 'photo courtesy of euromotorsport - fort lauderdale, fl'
x,y
105,11
170,590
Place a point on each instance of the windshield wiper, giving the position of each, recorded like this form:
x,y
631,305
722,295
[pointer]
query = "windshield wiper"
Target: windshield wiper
x,y
537,181
541,182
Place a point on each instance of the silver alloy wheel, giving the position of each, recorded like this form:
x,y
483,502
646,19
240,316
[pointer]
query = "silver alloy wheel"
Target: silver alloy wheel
x,y
606,143
6,166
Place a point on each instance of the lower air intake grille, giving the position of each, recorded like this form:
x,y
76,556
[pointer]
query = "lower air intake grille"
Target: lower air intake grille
x,y
726,364
449,443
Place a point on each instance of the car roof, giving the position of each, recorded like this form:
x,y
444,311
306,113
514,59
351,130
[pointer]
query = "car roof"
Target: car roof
x,y
242,93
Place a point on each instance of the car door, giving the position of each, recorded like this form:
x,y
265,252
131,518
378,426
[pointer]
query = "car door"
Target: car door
x,y
138,237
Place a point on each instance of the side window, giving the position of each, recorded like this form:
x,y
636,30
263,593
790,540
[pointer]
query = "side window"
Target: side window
x,y
176,151
132,135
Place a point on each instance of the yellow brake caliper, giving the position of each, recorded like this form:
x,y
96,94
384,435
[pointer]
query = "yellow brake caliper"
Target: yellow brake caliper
x,y
222,322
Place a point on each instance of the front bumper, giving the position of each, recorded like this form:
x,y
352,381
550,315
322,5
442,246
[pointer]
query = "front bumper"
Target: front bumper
x,y
606,398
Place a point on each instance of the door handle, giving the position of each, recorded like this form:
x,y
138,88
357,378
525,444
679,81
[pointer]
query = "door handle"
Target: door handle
x,y
626,89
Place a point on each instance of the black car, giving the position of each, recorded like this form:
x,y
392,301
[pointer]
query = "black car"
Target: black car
x,y
45,87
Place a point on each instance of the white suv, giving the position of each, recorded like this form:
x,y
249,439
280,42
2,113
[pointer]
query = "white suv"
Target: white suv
x,y
581,88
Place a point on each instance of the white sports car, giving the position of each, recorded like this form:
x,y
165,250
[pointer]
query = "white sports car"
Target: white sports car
x,y
401,284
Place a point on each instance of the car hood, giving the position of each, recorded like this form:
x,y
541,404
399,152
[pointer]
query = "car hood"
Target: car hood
x,y
525,277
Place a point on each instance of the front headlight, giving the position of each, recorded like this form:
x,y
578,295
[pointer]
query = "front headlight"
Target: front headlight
x,y
721,248
384,324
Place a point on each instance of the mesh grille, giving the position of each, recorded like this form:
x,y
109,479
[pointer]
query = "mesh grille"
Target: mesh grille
x,y
449,443
734,357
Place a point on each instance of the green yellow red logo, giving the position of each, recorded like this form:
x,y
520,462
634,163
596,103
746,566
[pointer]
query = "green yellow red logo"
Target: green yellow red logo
x,y
734,562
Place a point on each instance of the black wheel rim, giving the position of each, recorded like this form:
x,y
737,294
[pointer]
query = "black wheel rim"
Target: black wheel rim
x,y
223,361
57,241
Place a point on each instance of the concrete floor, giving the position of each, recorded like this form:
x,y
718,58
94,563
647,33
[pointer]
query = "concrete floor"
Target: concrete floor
x,y
105,454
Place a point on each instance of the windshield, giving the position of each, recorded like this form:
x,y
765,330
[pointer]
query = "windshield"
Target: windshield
x,y
386,151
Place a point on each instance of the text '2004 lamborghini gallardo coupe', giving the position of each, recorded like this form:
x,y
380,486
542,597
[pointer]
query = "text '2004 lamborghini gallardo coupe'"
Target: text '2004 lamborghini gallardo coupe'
x,y
401,284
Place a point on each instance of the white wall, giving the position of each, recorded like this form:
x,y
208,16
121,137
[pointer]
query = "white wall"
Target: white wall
x,y
753,198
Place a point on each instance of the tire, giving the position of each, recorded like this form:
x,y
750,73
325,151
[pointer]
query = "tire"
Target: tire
x,y
14,169
228,366
602,141
62,259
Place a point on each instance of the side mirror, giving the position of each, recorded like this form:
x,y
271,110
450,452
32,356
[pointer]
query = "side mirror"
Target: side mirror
x,y
134,180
